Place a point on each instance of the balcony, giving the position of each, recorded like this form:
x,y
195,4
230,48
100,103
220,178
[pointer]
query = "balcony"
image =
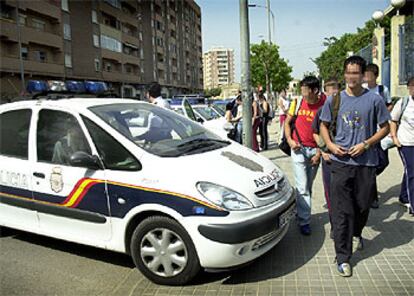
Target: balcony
x,y
12,64
44,8
161,66
130,39
113,76
110,32
30,35
129,59
112,55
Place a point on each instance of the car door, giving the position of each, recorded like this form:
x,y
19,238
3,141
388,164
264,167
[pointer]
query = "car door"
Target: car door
x,y
16,201
72,201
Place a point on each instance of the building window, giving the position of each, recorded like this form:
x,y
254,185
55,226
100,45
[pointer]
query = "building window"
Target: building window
x,y
40,56
66,32
95,40
111,43
114,3
97,65
94,17
65,5
24,53
38,24
22,20
108,67
68,60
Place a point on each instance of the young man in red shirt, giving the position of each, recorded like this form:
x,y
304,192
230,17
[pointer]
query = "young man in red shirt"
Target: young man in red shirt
x,y
304,152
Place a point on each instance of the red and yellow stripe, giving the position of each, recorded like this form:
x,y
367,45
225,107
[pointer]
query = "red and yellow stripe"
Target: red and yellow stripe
x,y
83,185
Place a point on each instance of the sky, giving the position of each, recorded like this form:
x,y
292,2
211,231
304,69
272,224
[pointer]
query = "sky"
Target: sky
x,y
300,26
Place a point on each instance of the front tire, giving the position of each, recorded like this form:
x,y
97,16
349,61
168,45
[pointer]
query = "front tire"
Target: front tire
x,y
163,251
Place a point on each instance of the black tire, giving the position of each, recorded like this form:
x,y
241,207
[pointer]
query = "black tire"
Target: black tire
x,y
164,272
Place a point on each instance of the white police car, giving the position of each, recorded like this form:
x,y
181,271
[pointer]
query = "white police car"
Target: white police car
x,y
134,178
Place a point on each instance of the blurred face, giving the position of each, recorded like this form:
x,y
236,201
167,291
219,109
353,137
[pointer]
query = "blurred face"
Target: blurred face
x,y
308,93
370,78
353,76
331,90
411,89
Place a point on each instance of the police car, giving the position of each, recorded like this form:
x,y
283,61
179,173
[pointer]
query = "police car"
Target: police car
x,y
134,178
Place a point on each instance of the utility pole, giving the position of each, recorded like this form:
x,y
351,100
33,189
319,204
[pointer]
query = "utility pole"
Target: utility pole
x,y
19,38
245,73
268,21
268,81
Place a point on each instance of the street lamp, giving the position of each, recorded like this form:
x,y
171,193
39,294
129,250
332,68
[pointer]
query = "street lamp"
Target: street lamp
x,y
268,23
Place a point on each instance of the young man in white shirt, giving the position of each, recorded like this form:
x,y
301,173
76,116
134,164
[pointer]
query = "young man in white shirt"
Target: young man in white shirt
x,y
402,133
154,96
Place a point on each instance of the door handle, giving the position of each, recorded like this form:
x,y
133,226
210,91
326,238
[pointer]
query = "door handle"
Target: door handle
x,y
39,175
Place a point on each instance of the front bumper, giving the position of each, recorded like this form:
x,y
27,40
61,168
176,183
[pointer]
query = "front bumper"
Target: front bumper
x,y
247,230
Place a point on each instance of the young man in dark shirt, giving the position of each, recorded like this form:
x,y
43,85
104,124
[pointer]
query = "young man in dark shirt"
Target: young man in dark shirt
x,y
354,158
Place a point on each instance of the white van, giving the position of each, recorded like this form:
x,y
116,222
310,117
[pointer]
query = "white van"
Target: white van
x,y
135,178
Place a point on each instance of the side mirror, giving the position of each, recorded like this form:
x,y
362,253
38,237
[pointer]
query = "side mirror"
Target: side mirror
x,y
200,120
83,159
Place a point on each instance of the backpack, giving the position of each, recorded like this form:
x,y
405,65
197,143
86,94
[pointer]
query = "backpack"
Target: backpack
x,y
284,145
404,104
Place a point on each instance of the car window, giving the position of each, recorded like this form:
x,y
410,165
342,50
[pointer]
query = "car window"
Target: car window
x,y
112,153
206,112
14,129
165,134
59,135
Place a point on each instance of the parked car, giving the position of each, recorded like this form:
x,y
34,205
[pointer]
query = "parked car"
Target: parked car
x,y
205,115
135,178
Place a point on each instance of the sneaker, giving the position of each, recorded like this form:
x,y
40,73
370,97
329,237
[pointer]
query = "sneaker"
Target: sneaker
x,y
405,205
305,229
359,242
375,204
345,269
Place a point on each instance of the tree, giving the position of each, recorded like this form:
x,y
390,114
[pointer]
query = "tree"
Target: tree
x,y
330,62
268,67
212,92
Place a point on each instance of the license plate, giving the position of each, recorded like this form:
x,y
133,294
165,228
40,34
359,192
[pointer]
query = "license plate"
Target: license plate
x,y
285,217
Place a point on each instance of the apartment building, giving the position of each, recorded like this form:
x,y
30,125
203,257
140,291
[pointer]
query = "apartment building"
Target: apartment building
x,y
126,43
218,67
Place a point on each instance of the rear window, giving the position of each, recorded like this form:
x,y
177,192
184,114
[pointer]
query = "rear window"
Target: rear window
x,y
14,133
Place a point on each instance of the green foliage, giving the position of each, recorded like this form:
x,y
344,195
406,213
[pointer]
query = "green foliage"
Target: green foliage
x,y
330,62
212,92
265,59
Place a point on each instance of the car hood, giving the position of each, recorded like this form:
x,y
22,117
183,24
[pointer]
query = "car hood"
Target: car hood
x,y
234,167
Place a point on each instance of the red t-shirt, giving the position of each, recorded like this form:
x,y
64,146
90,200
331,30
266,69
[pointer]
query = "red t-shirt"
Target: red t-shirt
x,y
304,119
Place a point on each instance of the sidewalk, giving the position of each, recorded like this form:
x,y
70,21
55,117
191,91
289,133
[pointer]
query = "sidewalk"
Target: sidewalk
x,y
301,265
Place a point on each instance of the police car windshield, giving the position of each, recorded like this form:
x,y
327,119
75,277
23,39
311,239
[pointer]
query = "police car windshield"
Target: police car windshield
x,y
159,131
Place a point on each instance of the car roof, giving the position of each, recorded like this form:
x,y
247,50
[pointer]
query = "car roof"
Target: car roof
x,y
72,103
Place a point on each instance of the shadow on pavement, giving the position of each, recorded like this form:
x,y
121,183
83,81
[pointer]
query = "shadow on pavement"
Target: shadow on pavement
x,y
387,220
73,248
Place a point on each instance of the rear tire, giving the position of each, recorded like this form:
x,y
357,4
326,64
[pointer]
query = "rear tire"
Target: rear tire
x,y
163,251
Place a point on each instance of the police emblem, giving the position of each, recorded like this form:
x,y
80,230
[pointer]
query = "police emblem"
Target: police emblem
x,y
56,180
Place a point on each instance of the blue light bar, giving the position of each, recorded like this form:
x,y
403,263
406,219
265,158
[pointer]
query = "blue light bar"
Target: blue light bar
x,y
75,86
95,87
37,86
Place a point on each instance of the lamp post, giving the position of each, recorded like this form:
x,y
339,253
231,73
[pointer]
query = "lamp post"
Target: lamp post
x,y
269,12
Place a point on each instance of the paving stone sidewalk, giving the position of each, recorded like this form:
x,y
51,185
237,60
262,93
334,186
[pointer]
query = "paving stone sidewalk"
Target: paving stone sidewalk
x,y
301,265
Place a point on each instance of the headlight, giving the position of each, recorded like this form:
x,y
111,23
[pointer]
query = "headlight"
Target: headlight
x,y
224,197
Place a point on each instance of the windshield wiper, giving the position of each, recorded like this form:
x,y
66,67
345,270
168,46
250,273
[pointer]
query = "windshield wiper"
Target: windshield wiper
x,y
200,145
202,141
